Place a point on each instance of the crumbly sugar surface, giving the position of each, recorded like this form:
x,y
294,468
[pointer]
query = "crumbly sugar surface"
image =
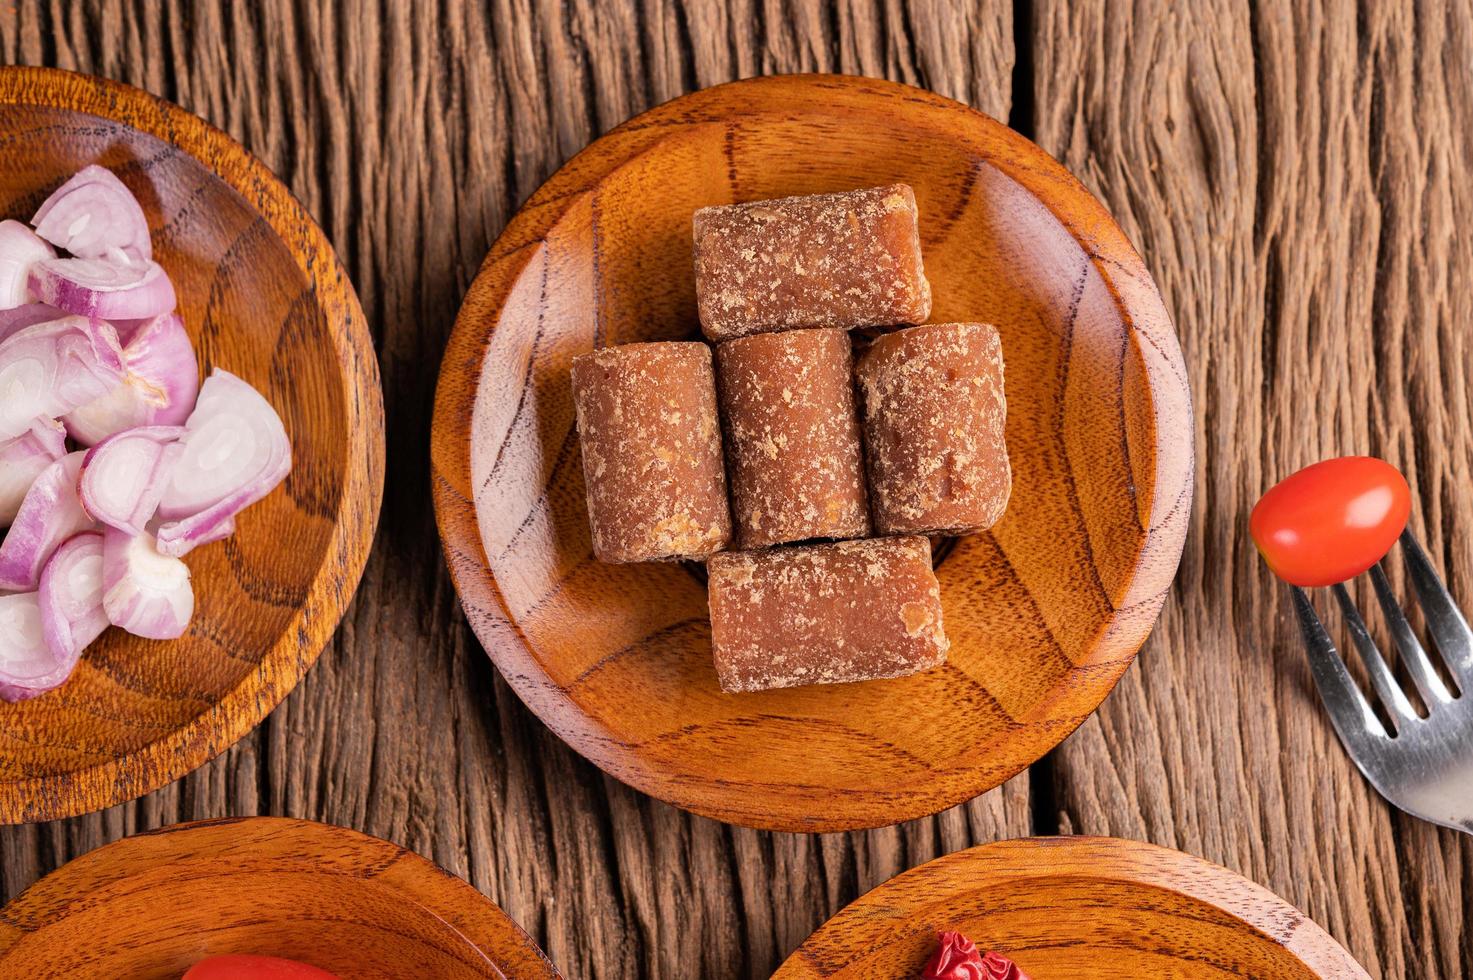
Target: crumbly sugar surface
x,y
825,614
824,260
934,415
792,437
651,443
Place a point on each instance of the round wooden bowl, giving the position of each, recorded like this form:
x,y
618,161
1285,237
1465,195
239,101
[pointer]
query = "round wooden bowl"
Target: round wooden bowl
x,y
1044,613
264,297
1076,907
153,905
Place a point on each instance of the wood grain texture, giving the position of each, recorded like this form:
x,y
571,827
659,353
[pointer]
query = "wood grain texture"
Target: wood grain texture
x,y
412,132
1044,611
1076,907
1298,177
153,905
263,297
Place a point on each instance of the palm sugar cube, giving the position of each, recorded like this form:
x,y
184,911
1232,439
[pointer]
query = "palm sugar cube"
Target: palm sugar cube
x,y
651,443
933,416
792,437
825,260
825,614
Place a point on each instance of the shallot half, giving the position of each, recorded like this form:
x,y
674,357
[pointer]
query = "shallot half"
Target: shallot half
x,y
144,592
160,386
70,597
51,368
95,216
24,656
124,475
103,290
22,459
49,514
236,451
20,248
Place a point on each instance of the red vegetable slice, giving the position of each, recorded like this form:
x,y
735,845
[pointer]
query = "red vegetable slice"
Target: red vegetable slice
x,y
103,290
159,389
23,459
93,216
20,249
239,967
50,513
145,593
124,475
957,958
49,369
1331,521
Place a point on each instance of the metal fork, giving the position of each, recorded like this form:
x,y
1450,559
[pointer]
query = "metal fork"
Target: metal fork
x,y
1424,766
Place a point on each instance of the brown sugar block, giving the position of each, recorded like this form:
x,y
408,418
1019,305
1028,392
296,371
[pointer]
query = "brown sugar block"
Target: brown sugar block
x,y
651,451
825,614
792,437
827,260
934,413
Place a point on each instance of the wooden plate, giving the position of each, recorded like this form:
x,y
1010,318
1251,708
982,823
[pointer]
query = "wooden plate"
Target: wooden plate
x,y
1044,613
264,296
152,906
1075,907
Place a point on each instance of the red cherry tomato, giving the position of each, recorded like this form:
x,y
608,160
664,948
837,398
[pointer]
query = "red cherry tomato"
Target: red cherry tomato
x,y
1331,521
239,967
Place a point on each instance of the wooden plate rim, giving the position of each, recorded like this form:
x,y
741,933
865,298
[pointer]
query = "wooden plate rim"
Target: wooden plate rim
x,y
451,899
187,748
1114,258
866,922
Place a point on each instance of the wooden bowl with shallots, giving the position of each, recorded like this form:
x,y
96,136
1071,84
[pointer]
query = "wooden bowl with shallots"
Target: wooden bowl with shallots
x,y
150,907
1044,612
262,296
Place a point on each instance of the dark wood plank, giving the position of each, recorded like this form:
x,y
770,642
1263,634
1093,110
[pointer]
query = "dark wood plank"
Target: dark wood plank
x,y
1298,178
412,131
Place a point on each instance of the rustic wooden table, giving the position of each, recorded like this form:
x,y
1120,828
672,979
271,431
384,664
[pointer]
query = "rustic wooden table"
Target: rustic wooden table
x,y
1300,184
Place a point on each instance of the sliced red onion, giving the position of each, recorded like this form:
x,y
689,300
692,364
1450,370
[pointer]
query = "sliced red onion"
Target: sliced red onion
x,y
160,389
25,660
49,514
23,459
20,249
49,369
124,475
144,592
13,321
102,289
70,598
94,215
236,451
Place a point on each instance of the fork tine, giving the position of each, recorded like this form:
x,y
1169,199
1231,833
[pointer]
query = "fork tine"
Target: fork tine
x,y
1445,622
1354,721
1393,698
1429,683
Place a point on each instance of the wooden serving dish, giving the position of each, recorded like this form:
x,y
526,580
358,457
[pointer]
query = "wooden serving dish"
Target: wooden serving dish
x,y
264,296
1076,907
151,906
1044,613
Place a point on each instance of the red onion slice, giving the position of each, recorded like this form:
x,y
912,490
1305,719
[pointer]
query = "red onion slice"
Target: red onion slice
x,y
103,290
94,215
20,249
23,459
51,368
160,389
144,592
13,321
24,657
236,451
70,598
49,514
124,475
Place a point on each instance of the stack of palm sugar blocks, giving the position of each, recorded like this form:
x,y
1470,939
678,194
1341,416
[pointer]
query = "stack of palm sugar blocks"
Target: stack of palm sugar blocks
x,y
785,439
